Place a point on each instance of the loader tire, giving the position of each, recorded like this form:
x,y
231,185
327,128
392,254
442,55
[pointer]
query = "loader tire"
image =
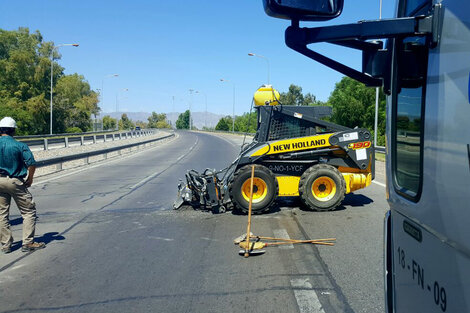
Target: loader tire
x,y
265,189
322,187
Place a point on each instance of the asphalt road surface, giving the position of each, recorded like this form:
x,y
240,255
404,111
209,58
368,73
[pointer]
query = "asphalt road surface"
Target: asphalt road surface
x,y
115,245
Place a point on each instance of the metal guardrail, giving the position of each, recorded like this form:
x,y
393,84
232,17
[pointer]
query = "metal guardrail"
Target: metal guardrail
x,y
380,149
82,138
86,155
64,134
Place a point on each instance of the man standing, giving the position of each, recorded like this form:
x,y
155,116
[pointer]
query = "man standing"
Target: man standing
x,y
16,163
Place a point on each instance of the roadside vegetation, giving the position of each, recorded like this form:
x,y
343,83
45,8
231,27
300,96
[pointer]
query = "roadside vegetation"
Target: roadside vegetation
x,y
25,78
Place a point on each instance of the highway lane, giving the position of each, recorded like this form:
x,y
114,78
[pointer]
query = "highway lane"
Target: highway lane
x,y
114,245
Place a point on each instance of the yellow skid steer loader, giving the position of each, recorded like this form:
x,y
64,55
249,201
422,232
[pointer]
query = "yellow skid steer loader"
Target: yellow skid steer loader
x,y
295,153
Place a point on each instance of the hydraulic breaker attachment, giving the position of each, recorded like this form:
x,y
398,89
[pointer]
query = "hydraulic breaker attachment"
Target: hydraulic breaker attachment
x,y
201,191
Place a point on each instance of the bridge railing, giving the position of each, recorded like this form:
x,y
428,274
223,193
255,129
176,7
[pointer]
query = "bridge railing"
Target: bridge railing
x,y
45,141
59,161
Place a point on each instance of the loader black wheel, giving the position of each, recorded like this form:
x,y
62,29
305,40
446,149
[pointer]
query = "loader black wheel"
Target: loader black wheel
x,y
265,189
322,187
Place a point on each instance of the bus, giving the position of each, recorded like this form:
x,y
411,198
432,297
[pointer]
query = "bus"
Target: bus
x,y
421,59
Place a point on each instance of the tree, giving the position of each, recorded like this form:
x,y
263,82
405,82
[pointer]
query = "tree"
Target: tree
x,y
309,99
158,121
125,122
224,124
25,63
246,123
75,102
183,120
293,97
25,78
141,124
354,105
109,122
163,124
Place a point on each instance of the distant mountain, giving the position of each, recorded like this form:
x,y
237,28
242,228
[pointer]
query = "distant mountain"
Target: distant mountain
x,y
199,118
134,116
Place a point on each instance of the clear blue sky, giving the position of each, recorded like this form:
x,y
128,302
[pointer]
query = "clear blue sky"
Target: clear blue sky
x,y
161,49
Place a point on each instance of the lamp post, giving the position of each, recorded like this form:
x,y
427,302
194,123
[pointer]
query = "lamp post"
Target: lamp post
x,y
52,71
233,105
377,96
95,127
263,57
190,103
117,96
102,86
205,113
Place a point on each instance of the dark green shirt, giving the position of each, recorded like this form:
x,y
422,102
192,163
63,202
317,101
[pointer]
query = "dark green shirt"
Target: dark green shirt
x,y
15,157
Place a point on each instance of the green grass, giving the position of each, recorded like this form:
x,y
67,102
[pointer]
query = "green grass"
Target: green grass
x,y
380,157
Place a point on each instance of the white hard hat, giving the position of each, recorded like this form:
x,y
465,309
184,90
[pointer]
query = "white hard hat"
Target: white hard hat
x,y
7,122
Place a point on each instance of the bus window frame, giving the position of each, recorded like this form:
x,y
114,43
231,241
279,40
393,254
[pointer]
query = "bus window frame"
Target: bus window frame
x,y
407,194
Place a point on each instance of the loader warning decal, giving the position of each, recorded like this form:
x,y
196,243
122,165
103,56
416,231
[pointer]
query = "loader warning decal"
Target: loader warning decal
x,y
294,144
359,145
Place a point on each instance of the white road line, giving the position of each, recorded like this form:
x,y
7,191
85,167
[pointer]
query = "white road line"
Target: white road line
x,y
380,184
306,297
282,233
148,178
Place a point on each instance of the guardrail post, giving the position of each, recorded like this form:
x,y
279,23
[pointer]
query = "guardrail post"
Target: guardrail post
x,y
114,138
58,166
106,156
104,138
66,139
46,146
120,136
82,140
94,139
126,136
87,160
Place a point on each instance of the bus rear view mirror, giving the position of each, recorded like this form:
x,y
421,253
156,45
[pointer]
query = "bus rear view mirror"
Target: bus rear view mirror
x,y
304,10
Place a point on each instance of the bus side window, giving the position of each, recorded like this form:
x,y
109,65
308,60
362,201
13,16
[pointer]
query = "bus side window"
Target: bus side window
x,y
408,114
407,134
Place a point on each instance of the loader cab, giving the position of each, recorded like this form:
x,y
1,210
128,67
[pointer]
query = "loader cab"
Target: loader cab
x,y
277,121
420,59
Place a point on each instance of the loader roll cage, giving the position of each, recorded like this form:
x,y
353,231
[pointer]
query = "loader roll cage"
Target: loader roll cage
x,y
281,122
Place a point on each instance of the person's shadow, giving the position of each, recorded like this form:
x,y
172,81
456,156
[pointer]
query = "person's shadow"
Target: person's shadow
x,y
46,238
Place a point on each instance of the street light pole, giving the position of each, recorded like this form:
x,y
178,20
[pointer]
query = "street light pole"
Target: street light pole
x,y
102,86
117,100
52,73
263,57
233,105
205,114
173,111
190,103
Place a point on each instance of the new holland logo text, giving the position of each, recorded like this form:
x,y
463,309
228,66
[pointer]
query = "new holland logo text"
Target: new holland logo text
x,y
299,145
359,145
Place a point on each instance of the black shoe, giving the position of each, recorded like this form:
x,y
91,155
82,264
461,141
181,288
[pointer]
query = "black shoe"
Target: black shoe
x,y
33,246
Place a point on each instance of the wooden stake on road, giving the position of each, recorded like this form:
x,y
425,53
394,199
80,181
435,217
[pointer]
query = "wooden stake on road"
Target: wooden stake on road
x,y
247,250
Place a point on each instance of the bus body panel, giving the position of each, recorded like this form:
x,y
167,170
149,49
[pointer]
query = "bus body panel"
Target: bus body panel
x,y
429,276
433,275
